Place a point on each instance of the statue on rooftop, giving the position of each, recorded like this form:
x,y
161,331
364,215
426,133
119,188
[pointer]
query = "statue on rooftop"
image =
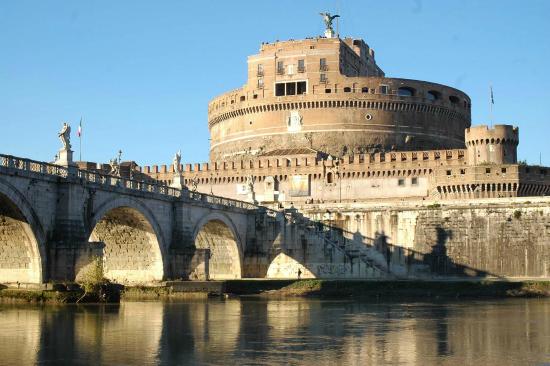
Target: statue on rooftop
x,y
327,18
65,136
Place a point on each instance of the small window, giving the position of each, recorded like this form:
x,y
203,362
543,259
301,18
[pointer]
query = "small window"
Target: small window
x,y
260,70
242,98
487,170
414,181
301,87
323,78
401,182
347,89
433,95
454,99
280,67
301,66
462,171
323,64
327,91
364,90
255,96
330,178
449,172
279,89
383,89
405,92
503,170
260,83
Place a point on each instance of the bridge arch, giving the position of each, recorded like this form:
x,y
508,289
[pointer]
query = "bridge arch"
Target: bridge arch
x,y
22,254
134,246
217,232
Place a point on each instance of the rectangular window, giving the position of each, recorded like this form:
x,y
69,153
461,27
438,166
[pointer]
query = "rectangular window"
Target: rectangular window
x,y
449,172
290,88
279,90
401,182
260,83
301,87
487,170
462,171
503,170
290,69
323,78
414,181
323,64
383,89
260,70
301,66
280,67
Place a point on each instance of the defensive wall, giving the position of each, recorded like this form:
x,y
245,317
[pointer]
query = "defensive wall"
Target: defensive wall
x,y
504,237
439,174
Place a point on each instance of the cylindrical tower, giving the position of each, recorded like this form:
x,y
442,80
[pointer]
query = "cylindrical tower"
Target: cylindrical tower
x,y
328,94
496,145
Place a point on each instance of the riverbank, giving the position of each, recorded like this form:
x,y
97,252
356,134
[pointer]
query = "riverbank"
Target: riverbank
x,y
412,290
335,289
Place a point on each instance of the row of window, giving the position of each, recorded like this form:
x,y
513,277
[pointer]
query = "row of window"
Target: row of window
x,y
301,67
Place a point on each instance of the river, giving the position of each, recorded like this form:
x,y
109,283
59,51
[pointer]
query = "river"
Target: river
x,y
278,332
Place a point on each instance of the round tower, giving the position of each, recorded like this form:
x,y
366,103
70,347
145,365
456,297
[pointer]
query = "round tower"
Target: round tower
x,y
495,145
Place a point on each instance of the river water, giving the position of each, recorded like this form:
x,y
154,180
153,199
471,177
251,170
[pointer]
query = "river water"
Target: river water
x,y
278,332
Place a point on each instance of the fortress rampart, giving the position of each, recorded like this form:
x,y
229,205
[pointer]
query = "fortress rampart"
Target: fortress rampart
x,y
496,145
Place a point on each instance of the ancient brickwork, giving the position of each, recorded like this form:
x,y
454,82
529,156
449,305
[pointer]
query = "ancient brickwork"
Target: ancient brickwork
x,y
224,262
14,245
131,248
498,237
495,241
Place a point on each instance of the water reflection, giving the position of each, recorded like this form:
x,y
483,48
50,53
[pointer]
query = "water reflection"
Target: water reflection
x,y
308,332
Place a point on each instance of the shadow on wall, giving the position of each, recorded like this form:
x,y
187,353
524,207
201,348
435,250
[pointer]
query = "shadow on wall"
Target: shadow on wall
x,y
435,262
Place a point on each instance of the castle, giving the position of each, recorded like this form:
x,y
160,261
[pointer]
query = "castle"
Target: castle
x,y
318,121
392,164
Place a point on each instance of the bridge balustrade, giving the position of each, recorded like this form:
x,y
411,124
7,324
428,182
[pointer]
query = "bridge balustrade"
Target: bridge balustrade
x,y
107,180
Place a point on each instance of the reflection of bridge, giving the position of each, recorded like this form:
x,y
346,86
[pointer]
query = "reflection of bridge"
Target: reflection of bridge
x,y
54,220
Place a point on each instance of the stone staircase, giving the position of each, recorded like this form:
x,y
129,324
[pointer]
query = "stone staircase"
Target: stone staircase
x,y
352,249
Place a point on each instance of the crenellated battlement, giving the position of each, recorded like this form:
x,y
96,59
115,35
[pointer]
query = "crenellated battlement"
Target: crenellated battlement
x,y
495,145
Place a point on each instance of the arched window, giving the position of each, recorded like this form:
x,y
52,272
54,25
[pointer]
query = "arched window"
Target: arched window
x,y
330,177
433,95
454,99
405,91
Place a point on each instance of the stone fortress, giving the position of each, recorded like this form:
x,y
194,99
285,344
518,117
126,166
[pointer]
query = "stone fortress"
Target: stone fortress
x,y
318,122
392,164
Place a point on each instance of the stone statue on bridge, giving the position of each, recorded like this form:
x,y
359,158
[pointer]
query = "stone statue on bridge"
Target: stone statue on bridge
x,y
65,136
176,162
115,167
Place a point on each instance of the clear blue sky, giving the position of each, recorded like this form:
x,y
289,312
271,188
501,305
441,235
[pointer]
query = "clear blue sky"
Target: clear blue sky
x,y
142,72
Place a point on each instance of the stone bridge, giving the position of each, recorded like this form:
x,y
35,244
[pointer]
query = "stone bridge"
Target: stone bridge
x,y
55,220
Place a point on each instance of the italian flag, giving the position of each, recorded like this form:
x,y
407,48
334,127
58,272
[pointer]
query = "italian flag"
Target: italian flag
x,y
79,132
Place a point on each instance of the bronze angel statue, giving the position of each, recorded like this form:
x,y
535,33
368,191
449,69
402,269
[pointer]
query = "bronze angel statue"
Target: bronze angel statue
x,y
328,20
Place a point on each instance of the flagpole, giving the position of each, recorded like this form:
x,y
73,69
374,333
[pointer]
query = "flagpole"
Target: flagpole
x,y
80,138
491,102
